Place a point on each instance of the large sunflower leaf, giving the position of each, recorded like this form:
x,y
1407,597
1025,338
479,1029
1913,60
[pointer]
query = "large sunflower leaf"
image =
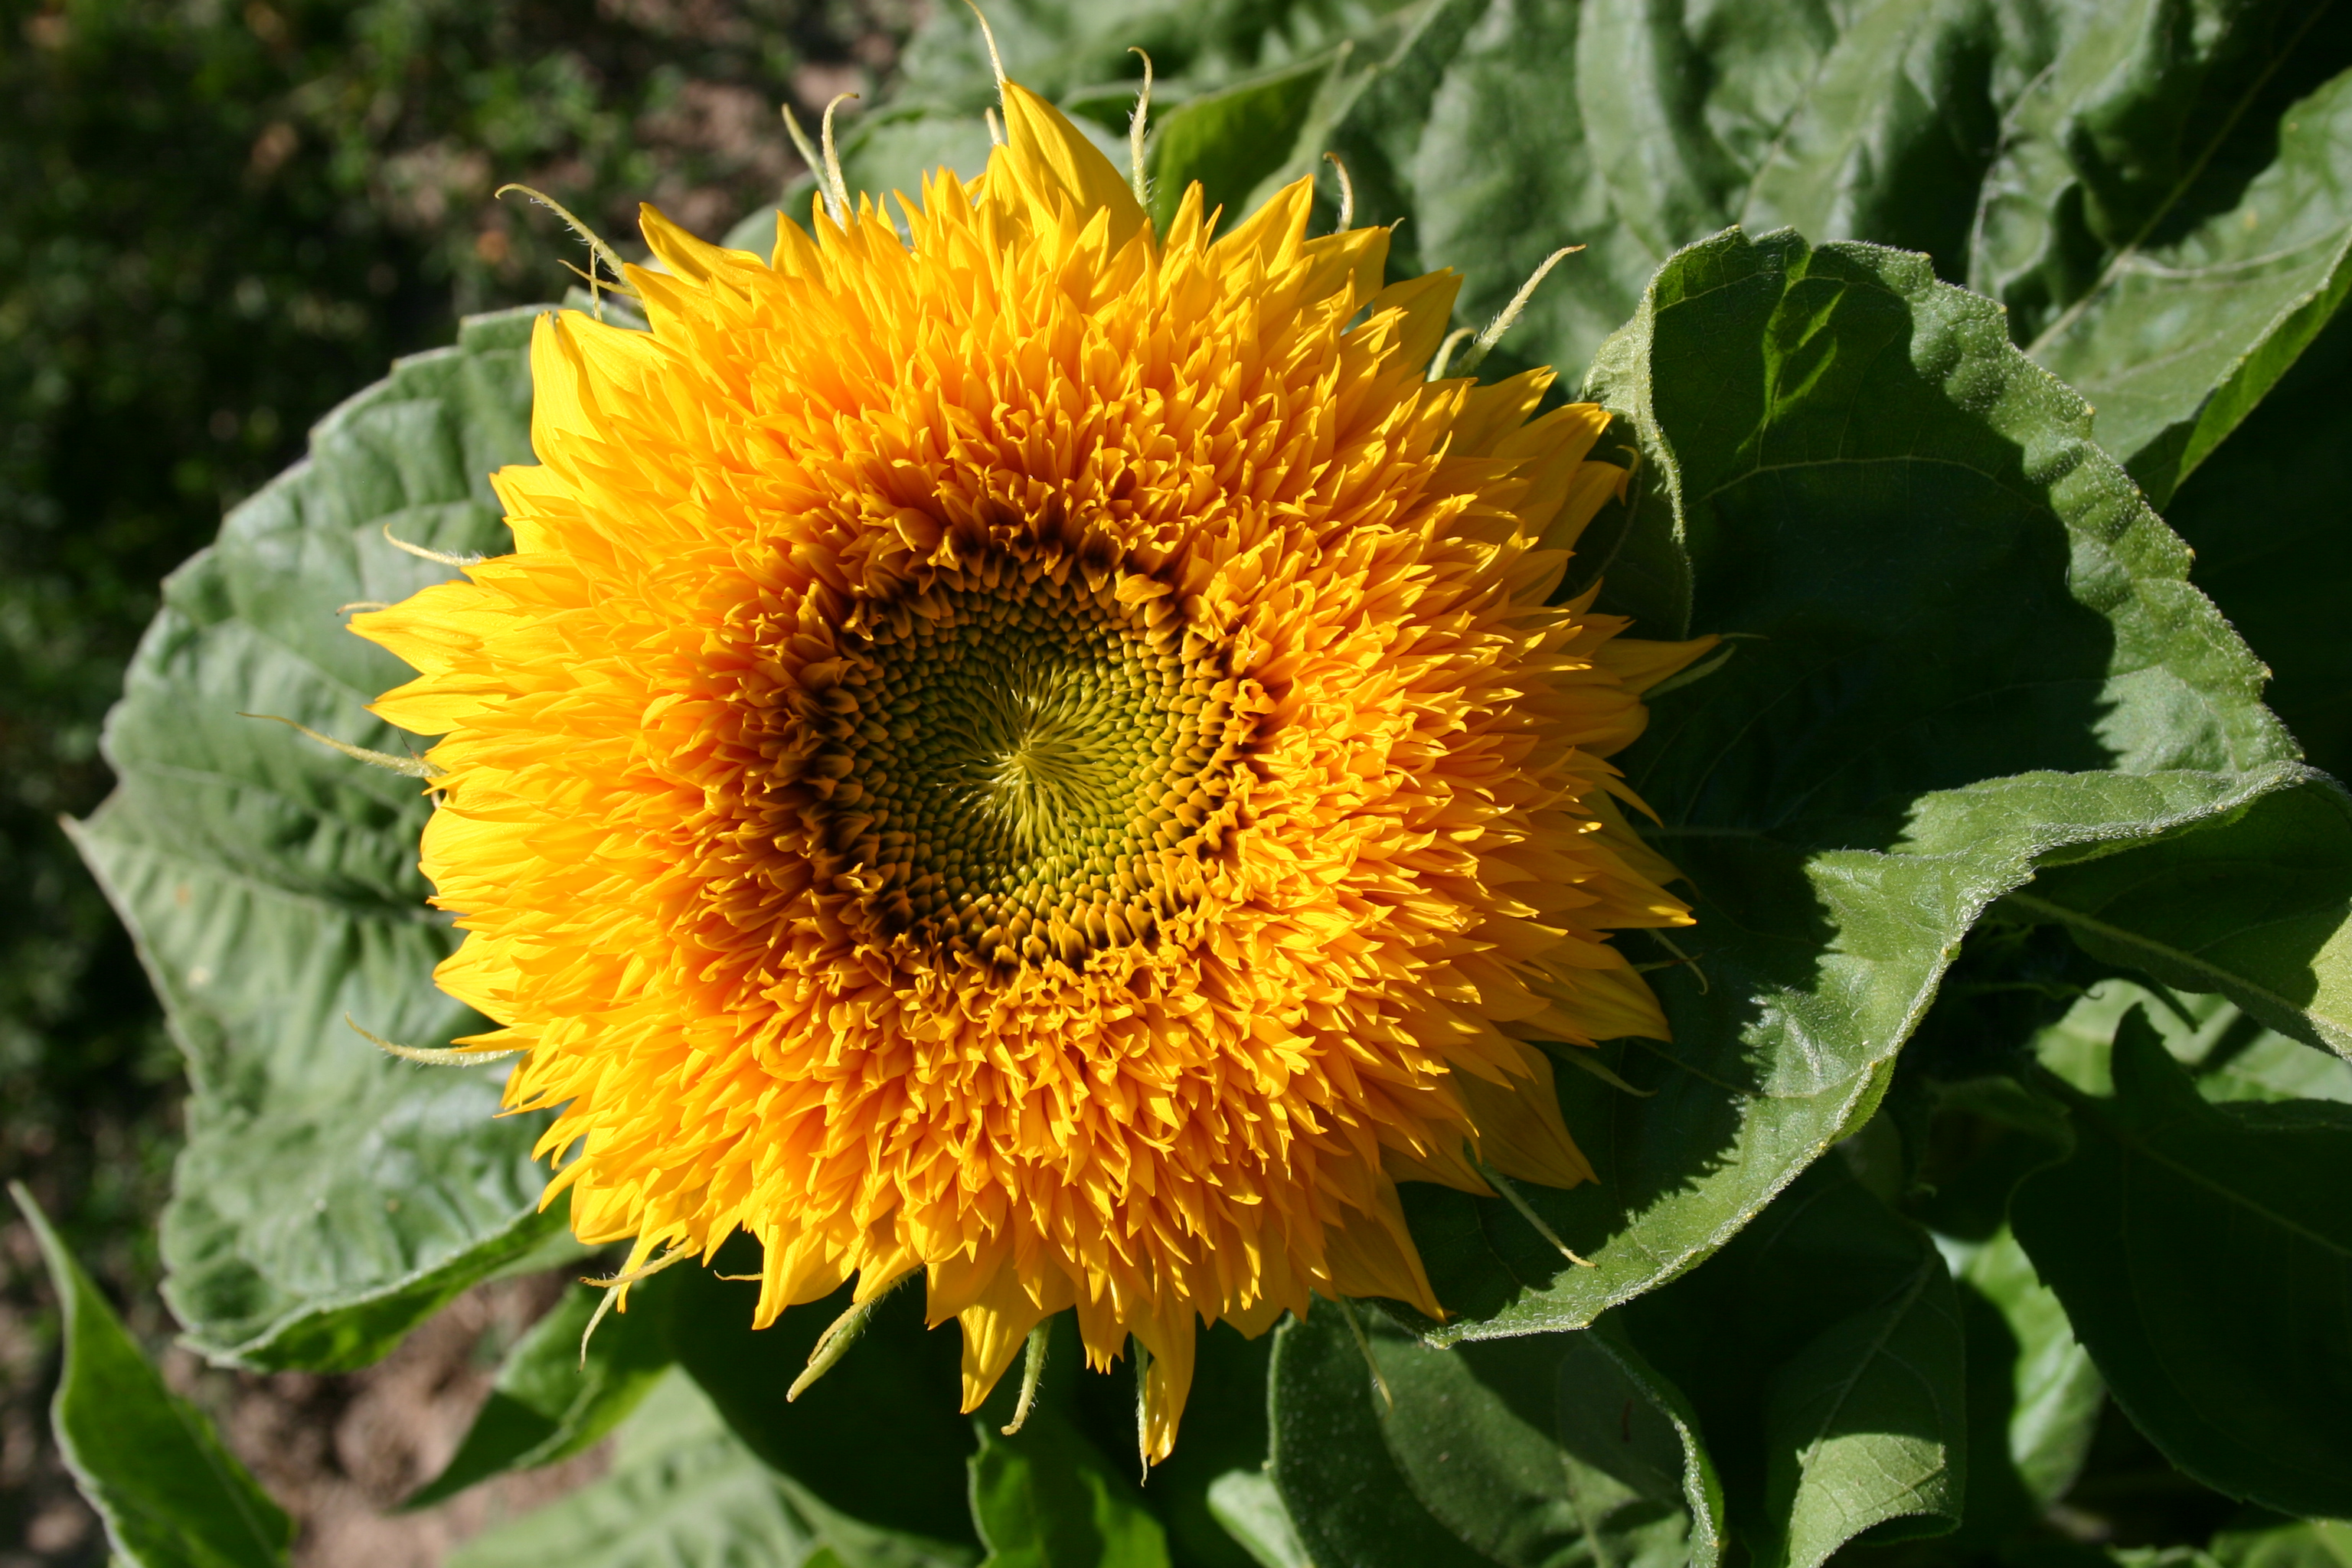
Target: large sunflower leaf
x,y
1935,578
2204,1256
329,1197
150,1464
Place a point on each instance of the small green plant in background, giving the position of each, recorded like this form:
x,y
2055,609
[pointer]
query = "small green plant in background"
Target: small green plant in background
x,y
1993,1203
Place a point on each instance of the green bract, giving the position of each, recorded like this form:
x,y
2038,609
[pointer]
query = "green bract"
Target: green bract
x,y
2008,1061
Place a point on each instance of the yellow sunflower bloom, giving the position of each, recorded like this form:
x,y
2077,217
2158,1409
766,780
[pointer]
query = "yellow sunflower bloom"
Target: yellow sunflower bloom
x,y
1039,752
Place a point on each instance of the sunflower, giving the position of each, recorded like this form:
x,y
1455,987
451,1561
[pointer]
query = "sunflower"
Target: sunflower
x,y
1039,752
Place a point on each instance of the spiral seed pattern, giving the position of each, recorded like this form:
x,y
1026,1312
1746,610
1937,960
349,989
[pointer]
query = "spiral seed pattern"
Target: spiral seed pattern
x,y
1014,767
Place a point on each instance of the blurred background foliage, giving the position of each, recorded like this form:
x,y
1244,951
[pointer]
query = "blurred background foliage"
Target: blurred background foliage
x,y
222,220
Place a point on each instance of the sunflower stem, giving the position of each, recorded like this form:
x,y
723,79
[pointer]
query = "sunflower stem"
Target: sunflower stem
x,y
1485,341
589,236
455,1057
407,767
1032,1368
1347,196
615,1286
442,557
1135,128
1502,1185
844,1331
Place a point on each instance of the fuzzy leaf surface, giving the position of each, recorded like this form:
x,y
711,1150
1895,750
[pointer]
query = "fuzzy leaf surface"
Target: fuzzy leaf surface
x,y
329,1197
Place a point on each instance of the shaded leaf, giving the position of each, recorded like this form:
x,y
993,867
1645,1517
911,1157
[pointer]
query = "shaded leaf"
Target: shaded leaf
x,y
2123,173
2204,1255
1547,1449
2266,516
1231,139
683,1492
1047,1498
2181,340
2229,1055
1822,1350
874,1450
2258,908
550,1401
329,1197
2307,1543
1631,1451
2053,1395
170,1494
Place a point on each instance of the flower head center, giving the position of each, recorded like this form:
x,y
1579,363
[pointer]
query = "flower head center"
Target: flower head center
x,y
1015,766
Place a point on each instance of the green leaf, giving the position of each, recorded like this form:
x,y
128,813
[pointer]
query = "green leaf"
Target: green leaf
x,y
171,1496
2266,516
2183,340
329,1197
2307,1543
1232,140
1823,1352
2258,909
1250,1507
2204,1254
683,1492
1633,1451
2053,1395
2116,219
1545,1449
1045,1497
2229,1055
875,1448
551,1399
1937,581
